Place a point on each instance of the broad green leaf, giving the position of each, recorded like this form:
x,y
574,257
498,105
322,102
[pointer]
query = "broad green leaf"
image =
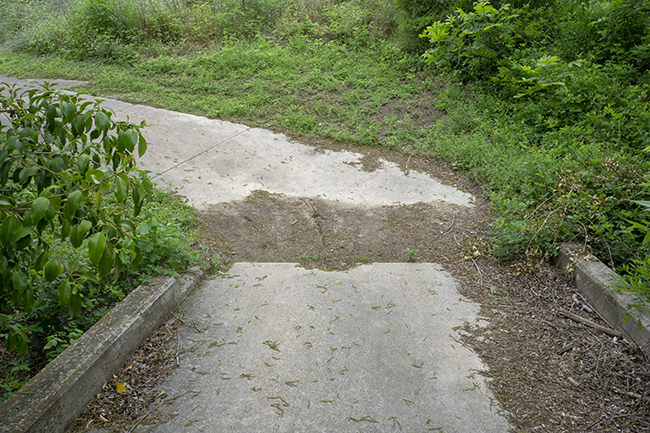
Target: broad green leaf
x,y
19,281
27,173
138,195
138,257
41,260
103,188
27,219
75,303
131,136
72,204
106,262
28,301
4,171
50,113
52,269
39,207
83,106
14,143
98,198
56,164
96,246
78,233
68,110
10,344
7,230
29,134
21,344
87,120
102,122
3,272
121,189
127,225
51,212
142,146
82,162
64,293
7,201
65,230
22,232
85,226
94,175
78,126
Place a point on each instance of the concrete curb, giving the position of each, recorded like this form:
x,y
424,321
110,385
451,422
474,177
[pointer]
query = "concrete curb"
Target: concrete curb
x,y
596,282
54,398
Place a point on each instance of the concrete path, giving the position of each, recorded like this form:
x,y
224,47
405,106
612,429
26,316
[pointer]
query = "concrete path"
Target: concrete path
x,y
280,348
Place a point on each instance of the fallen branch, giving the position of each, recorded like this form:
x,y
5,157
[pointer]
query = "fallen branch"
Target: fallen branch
x,y
591,324
631,394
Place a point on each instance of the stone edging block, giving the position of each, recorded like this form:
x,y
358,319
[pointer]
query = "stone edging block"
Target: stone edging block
x,y
54,398
597,282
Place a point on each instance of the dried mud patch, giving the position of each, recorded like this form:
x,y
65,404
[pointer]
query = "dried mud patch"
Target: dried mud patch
x,y
328,235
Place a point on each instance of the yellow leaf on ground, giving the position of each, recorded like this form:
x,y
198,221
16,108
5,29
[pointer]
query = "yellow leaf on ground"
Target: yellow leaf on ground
x,y
120,387
103,419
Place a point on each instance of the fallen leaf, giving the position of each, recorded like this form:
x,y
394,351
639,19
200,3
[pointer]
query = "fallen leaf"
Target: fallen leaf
x,y
120,387
102,418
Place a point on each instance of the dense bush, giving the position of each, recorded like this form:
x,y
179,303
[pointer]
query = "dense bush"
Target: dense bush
x,y
75,235
577,92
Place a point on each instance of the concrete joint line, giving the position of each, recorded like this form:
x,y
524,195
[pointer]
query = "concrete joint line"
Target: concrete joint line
x,y
200,153
597,282
54,398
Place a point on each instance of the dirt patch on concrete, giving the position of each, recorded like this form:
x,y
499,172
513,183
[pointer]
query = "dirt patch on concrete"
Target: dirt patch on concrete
x,y
330,235
318,233
550,374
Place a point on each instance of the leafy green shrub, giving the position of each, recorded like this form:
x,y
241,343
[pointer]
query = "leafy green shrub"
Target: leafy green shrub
x,y
59,157
165,236
415,16
468,43
617,30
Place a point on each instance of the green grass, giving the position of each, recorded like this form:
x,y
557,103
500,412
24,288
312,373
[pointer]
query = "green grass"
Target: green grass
x,y
320,89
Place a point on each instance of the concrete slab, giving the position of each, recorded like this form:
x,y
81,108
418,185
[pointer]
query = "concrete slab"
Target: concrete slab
x,y
220,162
257,159
373,349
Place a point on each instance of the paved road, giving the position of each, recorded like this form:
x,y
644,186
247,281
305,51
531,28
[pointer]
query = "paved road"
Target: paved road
x,y
281,348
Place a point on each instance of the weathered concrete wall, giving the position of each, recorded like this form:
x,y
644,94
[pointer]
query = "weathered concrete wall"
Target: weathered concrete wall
x,y
596,282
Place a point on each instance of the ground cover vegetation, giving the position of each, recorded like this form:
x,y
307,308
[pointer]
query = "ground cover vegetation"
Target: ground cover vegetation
x,y
545,102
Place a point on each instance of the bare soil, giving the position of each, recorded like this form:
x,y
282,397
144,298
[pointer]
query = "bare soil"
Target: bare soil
x,y
549,374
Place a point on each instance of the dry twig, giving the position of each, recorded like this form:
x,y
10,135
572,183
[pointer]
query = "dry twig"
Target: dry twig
x,y
591,324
